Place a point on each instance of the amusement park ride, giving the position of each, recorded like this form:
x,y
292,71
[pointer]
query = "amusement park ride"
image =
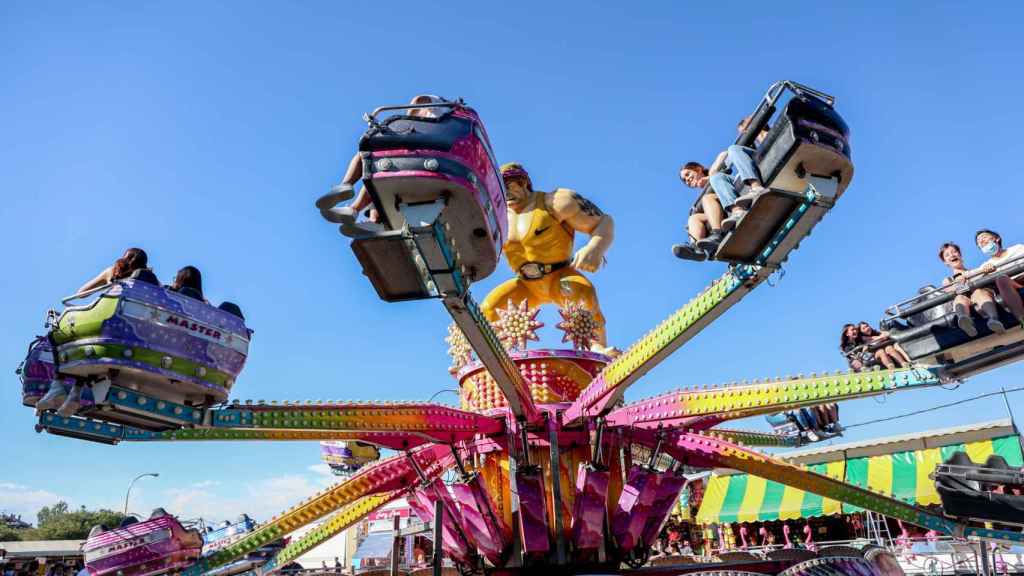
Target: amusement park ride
x,y
553,468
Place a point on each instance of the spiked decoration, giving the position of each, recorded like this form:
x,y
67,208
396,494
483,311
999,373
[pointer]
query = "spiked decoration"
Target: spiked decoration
x,y
458,348
517,324
578,325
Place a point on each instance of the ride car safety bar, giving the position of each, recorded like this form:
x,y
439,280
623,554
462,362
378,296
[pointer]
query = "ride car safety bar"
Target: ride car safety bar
x,y
940,295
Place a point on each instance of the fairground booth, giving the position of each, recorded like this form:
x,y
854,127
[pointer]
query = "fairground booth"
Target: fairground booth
x,y
732,510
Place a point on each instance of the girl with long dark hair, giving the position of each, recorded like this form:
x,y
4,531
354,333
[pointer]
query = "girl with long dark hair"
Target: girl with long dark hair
x,y
889,353
132,260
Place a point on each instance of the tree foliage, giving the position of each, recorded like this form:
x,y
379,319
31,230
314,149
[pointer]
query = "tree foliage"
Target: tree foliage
x,y
59,522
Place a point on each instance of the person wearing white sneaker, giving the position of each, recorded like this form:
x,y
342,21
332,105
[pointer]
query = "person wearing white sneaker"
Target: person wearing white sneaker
x,y
981,299
328,203
708,216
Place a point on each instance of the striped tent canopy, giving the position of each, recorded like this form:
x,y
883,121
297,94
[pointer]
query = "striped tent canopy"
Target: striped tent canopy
x,y
897,465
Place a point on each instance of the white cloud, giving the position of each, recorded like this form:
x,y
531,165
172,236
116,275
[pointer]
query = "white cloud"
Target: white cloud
x,y
261,499
20,499
322,470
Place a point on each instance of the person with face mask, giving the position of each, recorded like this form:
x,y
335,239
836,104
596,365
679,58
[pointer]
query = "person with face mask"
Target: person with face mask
x,y
991,244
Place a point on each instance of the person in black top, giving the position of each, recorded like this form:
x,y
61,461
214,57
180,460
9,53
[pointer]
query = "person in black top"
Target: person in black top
x,y
189,281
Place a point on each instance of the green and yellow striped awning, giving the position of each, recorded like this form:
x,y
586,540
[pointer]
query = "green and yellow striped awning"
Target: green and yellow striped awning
x,y
744,498
904,475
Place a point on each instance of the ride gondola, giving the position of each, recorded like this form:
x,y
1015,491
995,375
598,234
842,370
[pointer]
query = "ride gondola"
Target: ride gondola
x,y
812,424
988,492
142,354
347,457
158,545
804,162
435,184
925,327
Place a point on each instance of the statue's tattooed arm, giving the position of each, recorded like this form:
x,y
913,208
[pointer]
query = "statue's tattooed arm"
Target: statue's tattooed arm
x,y
586,206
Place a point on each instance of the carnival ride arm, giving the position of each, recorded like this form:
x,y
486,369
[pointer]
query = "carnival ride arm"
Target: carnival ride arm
x,y
399,426
346,517
702,408
708,451
752,438
582,215
385,476
609,386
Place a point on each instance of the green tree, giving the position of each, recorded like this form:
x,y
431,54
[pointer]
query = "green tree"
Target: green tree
x,y
8,534
59,522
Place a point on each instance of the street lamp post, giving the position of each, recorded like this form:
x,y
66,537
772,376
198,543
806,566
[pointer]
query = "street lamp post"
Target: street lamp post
x,y
132,483
439,392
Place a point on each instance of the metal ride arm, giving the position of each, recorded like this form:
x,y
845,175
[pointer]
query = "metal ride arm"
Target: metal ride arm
x,y
396,425
385,476
609,386
700,409
752,438
492,354
331,527
708,451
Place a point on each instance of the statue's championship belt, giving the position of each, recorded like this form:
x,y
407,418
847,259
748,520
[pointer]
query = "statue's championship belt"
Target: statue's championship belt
x,y
538,270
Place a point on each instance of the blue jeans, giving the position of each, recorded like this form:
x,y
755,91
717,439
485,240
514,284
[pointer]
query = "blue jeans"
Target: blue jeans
x,y
741,160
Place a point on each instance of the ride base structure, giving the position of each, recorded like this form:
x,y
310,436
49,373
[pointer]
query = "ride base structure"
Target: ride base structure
x,y
553,468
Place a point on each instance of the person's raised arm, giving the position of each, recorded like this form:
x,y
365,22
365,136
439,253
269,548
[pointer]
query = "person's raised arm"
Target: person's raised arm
x,y
105,277
582,215
716,166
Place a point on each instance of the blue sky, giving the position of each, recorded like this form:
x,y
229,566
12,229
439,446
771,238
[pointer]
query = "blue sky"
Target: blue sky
x,y
203,132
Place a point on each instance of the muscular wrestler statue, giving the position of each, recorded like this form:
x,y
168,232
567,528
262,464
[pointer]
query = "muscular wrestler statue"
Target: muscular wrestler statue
x,y
539,248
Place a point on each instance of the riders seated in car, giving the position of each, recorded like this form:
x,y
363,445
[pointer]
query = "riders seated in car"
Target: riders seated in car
x,y
891,353
733,169
991,244
981,299
354,173
864,347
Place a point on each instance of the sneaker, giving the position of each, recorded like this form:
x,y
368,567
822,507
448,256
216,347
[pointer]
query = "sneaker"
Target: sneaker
x,y
338,194
995,326
53,398
744,201
967,325
734,218
710,244
341,215
72,403
689,252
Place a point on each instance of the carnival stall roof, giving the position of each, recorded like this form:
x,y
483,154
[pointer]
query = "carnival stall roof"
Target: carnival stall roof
x,y
896,465
42,548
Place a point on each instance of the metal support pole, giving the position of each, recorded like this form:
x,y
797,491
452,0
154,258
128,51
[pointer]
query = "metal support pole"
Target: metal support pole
x,y
526,442
556,489
458,463
655,453
598,452
983,554
438,553
395,545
